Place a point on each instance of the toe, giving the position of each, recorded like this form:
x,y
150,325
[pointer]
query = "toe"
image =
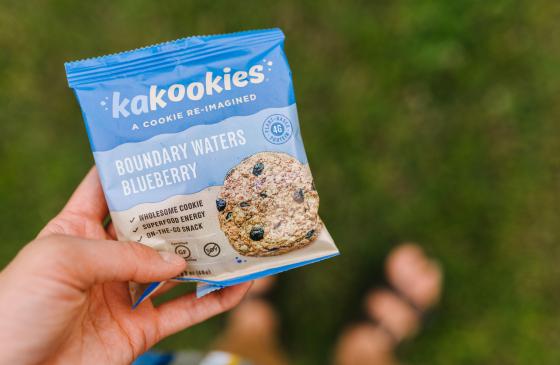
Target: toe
x,y
254,318
262,286
392,313
364,344
415,275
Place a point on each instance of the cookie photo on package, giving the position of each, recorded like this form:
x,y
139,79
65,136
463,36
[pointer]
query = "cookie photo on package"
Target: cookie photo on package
x,y
199,151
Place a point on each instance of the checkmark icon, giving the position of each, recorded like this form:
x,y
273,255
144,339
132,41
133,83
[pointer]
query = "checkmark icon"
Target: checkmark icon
x,y
132,220
140,239
135,230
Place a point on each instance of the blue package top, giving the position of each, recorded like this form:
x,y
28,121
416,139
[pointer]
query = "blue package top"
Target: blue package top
x,y
146,80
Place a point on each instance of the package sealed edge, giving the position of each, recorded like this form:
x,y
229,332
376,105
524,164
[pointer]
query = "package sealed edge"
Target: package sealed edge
x,y
199,151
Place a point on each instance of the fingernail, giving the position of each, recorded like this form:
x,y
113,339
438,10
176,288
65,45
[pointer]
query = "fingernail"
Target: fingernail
x,y
171,258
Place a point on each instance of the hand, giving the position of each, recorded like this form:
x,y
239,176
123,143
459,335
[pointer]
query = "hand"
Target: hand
x,y
64,298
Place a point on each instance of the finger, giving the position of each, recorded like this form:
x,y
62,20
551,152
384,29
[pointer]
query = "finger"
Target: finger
x,y
111,232
85,262
186,311
88,199
164,288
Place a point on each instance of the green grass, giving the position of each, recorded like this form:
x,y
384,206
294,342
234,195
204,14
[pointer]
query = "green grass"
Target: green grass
x,y
432,121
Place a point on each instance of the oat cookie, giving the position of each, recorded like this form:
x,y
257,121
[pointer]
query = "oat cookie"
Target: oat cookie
x,y
268,205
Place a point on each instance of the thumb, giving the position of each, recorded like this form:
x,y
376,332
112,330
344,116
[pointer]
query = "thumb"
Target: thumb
x,y
86,262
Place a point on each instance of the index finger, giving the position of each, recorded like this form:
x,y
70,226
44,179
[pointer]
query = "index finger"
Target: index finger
x,y
186,311
88,200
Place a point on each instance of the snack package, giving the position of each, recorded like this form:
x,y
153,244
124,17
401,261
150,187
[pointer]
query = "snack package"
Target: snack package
x,y
199,151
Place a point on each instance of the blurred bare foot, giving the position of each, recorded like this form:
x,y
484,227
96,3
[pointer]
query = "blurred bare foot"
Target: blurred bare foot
x,y
252,329
394,318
